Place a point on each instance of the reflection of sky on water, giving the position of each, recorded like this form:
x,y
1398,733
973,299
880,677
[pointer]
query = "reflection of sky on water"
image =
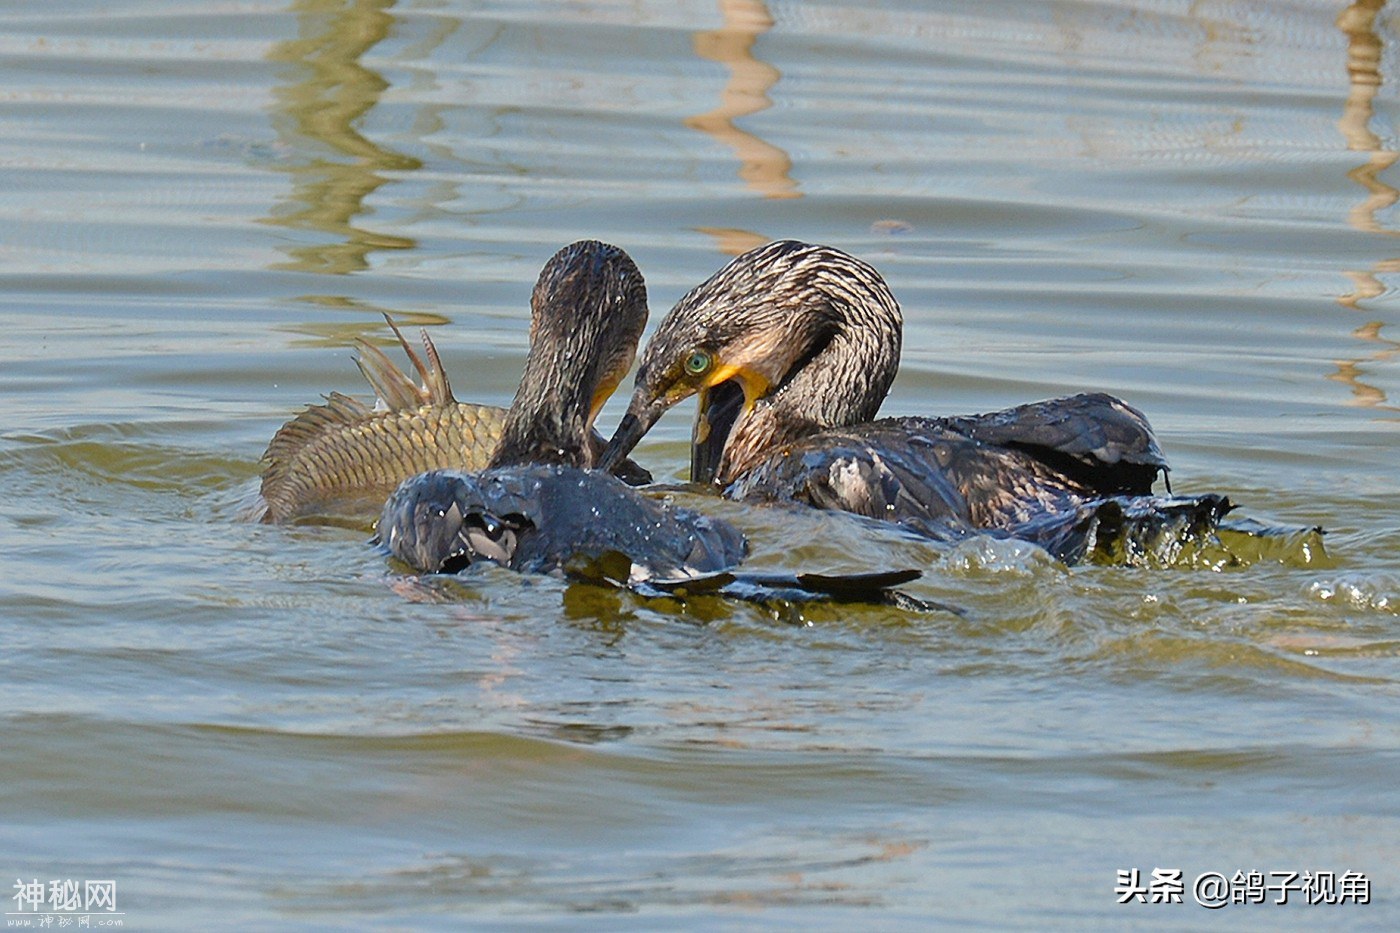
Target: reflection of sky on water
x,y
1157,196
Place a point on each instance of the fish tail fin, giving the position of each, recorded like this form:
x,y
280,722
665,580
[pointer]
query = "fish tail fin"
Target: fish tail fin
x,y
283,477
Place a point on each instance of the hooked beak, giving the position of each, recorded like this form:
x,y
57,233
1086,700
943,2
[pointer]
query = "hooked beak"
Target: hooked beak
x,y
727,397
631,429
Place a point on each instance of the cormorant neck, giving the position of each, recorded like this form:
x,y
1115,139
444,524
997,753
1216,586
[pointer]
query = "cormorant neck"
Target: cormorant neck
x,y
588,308
841,381
549,420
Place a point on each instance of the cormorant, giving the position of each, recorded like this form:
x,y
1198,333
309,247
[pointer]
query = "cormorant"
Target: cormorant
x,y
538,508
342,459
791,349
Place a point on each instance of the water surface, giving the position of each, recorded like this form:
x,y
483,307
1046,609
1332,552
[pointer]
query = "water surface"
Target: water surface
x,y
1193,207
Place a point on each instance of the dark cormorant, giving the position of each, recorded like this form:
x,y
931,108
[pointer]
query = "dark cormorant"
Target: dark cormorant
x,y
792,347
342,459
537,507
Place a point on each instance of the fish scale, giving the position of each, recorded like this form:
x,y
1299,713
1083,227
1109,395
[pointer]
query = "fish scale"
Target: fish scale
x,y
343,453
345,458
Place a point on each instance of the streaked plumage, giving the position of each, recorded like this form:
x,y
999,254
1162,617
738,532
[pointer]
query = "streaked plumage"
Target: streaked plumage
x,y
535,508
345,458
792,348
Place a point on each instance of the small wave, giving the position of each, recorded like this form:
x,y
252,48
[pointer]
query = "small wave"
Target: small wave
x,y
1379,592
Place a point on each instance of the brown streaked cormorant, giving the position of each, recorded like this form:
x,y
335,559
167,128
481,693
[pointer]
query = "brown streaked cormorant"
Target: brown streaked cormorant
x,y
538,508
791,349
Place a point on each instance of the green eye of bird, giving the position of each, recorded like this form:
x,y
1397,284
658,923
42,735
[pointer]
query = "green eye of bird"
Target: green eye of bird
x,y
697,363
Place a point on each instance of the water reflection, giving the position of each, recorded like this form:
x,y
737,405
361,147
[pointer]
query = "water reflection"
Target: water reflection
x,y
1223,40
763,166
1364,48
368,323
1350,372
326,93
731,241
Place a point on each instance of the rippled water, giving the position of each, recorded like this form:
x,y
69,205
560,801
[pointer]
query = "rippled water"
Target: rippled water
x,y
249,726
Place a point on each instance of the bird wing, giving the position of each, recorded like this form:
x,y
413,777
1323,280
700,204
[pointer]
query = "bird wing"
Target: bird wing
x,y
1097,441
878,470
950,477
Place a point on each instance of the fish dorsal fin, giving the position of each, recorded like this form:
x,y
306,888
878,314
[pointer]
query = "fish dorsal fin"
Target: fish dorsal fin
x,y
395,387
339,410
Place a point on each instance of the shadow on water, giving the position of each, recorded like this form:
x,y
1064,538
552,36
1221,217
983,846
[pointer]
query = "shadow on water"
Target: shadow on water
x,y
1364,52
327,91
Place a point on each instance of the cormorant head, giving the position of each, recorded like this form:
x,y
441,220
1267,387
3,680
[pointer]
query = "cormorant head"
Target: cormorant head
x,y
787,339
588,310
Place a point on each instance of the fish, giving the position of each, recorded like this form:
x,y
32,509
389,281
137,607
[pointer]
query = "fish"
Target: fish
x,y
343,458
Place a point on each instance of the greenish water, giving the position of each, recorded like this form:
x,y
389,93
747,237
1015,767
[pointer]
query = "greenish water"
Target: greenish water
x,y
259,727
